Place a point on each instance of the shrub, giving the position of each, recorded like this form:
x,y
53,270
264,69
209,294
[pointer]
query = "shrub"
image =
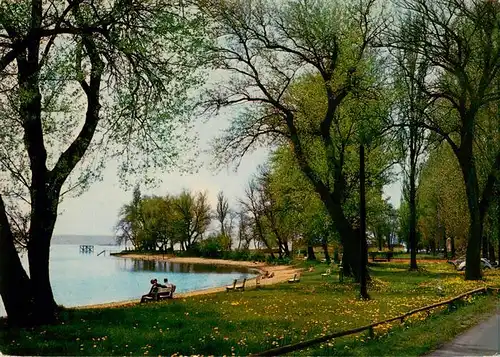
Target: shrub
x,y
258,256
211,248
279,261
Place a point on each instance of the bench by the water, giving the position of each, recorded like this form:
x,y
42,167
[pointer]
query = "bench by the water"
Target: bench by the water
x,y
236,287
160,294
86,248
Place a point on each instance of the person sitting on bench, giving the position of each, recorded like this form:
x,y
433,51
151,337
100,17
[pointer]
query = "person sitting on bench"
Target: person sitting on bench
x,y
168,285
153,293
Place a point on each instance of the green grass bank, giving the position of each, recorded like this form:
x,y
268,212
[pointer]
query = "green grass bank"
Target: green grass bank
x,y
240,323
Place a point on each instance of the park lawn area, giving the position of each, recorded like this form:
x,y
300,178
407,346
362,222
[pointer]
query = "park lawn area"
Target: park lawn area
x,y
420,256
241,323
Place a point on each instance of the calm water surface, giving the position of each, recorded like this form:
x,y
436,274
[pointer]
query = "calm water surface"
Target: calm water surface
x,y
83,279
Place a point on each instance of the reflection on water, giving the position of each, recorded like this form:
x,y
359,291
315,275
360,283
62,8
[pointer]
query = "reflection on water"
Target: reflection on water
x,y
135,265
83,279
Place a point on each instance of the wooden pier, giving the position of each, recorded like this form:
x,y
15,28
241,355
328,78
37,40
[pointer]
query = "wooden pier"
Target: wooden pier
x,y
86,249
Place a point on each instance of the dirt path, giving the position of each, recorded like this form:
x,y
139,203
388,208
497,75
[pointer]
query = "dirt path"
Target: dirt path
x,y
281,273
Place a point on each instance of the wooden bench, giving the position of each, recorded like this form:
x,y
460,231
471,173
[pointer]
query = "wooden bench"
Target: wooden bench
x,y
236,287
241,286
157,294
165,293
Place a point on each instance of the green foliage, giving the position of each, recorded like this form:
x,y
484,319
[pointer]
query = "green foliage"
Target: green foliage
x,y
275,315
461,87
245,255
442,201
311,83
269,216
145,110
151,223
404,222
211,247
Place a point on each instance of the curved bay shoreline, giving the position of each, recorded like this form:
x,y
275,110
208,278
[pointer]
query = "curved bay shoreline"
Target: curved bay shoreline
x,y
281,273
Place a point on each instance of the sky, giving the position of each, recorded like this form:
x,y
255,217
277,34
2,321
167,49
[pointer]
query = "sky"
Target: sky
x,y
95,212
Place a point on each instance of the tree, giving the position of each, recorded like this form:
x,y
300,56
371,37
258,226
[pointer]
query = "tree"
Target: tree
x,y
253,206
158,220
60,59
222,213
381,222
244,233
303,213
274,213
266,47
442,201
459,40
192,217
128,228
410,76
154,222
403,223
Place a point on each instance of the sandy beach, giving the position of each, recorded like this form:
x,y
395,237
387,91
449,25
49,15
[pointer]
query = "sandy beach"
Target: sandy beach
x,y
281,273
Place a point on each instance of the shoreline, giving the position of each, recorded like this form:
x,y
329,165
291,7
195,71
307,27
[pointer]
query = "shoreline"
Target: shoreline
x,y
281,273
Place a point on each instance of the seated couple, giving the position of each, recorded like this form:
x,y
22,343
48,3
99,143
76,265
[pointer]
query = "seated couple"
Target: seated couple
x,y
159,291
267,275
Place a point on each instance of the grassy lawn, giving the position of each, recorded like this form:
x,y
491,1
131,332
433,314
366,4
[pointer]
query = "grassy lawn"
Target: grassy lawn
x,y
417,336
420,256
255,320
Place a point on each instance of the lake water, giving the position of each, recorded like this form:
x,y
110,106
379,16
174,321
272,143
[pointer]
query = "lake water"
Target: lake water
x,y
84,279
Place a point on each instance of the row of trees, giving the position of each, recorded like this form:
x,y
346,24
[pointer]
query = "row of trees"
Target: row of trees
x,y
261,219
441,209
151,223
314,75
271,216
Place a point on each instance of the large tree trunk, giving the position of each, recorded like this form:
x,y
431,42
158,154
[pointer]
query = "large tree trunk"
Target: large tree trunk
x,y
310,252
45,307
15,286
473,254
43,218
349,238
